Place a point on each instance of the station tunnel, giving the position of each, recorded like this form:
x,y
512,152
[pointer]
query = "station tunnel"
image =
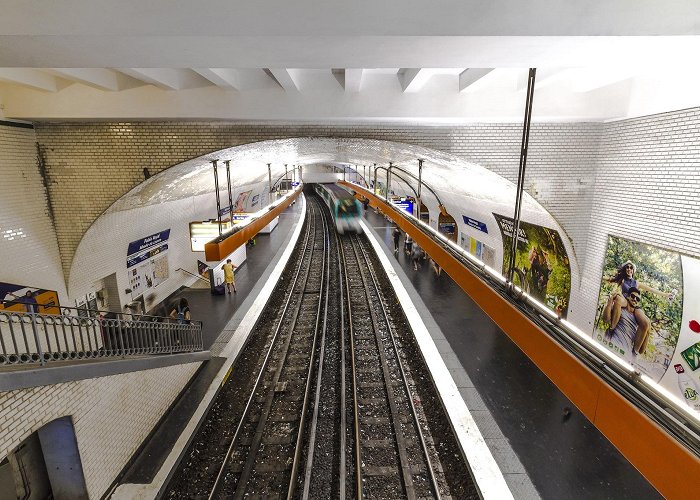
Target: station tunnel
x,y
507,359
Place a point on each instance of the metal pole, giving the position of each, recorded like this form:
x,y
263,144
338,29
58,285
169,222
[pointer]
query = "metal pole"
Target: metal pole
x,y
374,185
420,182
388,180
521,171
230,195
216,188
269,181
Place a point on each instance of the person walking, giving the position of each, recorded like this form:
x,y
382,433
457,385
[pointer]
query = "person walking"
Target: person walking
x,y
396,235
228,275
416,256
436,267
408,244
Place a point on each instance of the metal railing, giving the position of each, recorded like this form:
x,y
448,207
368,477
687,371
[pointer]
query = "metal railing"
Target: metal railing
x,y
77,334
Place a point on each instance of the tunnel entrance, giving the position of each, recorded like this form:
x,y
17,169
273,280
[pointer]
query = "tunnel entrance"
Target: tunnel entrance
x,y
447,225
45,465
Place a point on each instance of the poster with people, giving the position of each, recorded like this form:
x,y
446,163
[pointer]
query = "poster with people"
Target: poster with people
x,y
541,263
640,304
23,298
649,314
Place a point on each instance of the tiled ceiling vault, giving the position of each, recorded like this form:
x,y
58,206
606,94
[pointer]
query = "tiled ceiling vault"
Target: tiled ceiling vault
x,y
443,172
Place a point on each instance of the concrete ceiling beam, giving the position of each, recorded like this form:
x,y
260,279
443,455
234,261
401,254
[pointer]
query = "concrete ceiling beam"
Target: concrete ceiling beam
x,y
283,78
168,78
221,77
29,77
472,75
413,79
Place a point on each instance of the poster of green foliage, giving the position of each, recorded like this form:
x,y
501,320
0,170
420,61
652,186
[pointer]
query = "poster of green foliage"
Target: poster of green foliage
x,y
640,304
541,264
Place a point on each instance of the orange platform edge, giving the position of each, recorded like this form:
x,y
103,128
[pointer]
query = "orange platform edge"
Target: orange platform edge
x,y
214,251
662,460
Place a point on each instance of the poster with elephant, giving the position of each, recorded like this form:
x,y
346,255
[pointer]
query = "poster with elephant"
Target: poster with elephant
x,y
541,263
649,312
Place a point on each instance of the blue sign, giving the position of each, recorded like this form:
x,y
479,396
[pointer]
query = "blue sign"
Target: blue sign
x,y
138,258
148,242
404,205
475,224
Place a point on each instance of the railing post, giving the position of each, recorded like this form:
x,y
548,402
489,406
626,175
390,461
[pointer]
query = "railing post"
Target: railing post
x,y
40,351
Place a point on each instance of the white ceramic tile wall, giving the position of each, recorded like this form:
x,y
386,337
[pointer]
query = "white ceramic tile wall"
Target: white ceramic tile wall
x,y
568,171
112,416
28,245
647,189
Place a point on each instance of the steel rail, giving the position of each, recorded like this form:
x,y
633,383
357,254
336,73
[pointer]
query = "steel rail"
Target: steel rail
x,y
269,401
217,482
392,335
395,418
343,404
325,291
353,366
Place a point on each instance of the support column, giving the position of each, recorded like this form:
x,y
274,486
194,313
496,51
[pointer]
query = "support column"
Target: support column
x,y
521,172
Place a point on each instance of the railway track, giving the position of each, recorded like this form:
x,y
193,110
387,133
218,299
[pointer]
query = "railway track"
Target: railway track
x,y
328,407
264,454
388,441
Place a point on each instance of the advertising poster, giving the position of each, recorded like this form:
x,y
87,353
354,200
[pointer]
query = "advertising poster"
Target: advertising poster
x,y
649,314
147,262
541,264
21,298
239,205
640,304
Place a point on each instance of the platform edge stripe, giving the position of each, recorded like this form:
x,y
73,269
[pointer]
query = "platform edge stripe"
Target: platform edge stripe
x,y
153,490
487,475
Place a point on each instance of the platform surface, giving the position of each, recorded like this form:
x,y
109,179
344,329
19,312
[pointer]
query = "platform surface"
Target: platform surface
x,y
518,410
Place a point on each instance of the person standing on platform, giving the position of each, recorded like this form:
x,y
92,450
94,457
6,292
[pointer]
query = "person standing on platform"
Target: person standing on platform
x,y
396,234
228,275
408,244
416,256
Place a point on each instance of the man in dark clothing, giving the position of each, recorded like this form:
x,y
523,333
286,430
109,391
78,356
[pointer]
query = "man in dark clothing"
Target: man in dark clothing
x,y
30,303
396,234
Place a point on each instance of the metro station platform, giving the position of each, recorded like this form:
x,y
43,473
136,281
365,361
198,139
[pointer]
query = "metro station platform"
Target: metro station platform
x,y
520,413
220,315
540,447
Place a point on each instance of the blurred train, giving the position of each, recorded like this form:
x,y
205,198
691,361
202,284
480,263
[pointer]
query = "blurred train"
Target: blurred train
x,y
345,209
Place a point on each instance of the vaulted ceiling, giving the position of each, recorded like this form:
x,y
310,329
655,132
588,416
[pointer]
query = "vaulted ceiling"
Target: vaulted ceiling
x,y
443,61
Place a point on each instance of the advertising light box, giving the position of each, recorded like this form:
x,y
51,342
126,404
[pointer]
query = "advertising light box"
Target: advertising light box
x,y
203,232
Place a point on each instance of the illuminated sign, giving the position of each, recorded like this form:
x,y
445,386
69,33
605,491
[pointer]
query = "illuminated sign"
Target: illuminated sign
x,y
203,232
